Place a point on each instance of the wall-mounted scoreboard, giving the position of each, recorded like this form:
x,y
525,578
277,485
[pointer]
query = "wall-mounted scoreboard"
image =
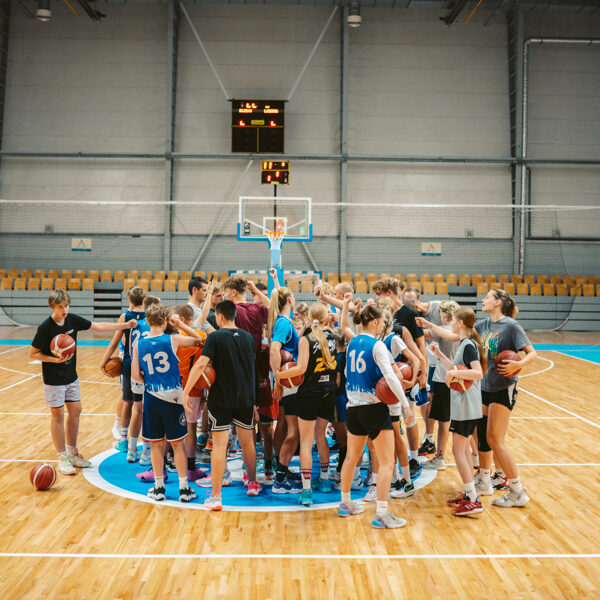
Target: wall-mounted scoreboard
x,y
276,172
257,126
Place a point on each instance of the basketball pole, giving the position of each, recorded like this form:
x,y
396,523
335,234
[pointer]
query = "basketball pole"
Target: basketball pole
x,y
275,252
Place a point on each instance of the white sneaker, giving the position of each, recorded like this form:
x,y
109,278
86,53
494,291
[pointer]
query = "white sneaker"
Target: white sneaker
x,y
368,480
387,521
78,461
116,432
357,483
482,489
365,461
65,466
512,498
371,495
435,463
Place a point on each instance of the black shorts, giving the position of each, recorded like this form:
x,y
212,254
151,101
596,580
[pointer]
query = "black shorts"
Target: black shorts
x,y
311,406
288,403
368,420
440,404
128,395
395,418
506,397
221,417
464,428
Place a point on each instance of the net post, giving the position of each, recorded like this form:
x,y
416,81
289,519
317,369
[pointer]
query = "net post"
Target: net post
x,y
275,240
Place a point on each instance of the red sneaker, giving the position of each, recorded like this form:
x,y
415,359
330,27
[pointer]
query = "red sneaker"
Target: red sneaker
x,y
254,488
467,507
455,501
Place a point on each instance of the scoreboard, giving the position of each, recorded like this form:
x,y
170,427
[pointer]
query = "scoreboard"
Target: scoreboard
x,y
276,172
257,126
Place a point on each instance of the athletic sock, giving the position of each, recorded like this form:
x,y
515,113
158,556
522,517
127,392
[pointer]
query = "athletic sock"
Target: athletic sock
x,y
117,422
306,473
405,472
470,492
268,464
280,473
183,483
191,464
429,437
124,433
500,473
345,497
70,450
485,476
159,482
515,485
147,448
413,454
133,443
324,471
395,475
381,507
63,454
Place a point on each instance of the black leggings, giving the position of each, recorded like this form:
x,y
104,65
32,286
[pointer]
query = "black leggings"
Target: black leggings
x,y
482,443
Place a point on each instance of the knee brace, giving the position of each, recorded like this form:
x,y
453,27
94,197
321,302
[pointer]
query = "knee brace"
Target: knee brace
x,y
482,443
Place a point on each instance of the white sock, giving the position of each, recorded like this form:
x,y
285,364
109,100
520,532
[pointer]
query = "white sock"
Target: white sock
x,y
146,446
413,454
500,473
515,485
123,433
429,437
345,497
183,483
381,507
470,492
133,443
71,450
485,476
62,454
405,472
159,482
118,421
396,475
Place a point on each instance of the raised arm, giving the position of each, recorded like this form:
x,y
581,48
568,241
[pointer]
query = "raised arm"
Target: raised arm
x,y
439,331
111,348
345,317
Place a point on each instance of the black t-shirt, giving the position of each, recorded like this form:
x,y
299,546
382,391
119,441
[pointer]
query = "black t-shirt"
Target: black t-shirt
x,y
470,354
231,352
59,373
318,378
340,359
406,316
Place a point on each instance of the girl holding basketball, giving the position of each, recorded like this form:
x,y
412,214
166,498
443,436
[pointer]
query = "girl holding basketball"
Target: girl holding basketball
x,y
367,417
315,400
465,406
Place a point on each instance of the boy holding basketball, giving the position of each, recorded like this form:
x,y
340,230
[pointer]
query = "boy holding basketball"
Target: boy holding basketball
x,y
61,384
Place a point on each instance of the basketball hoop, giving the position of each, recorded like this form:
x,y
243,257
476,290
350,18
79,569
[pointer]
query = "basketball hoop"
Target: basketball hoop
x,y
275,239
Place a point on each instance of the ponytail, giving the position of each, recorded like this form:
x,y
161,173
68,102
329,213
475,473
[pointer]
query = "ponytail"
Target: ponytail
x,y
508,307
317,313
370,313
279,298
467,316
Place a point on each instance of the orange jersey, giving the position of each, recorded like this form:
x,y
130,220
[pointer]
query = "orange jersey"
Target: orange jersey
x,y
188,356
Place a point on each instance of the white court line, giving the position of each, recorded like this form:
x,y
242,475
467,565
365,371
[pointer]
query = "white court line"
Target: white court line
x,y
577,357
561,408
543,370
41,414
293,556
13,349
39,375
18,383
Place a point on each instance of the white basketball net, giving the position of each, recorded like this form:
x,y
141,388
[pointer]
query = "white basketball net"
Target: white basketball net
x,y
275,239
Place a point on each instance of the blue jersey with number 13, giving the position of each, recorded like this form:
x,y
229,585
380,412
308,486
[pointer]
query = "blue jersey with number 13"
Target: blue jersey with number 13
x,y
160,366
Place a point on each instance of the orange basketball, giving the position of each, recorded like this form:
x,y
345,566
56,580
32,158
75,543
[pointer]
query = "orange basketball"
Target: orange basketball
x,y
507,355
62,345
114,366
290,382
42,476
460,385
206,379
286,357
407,372
384,392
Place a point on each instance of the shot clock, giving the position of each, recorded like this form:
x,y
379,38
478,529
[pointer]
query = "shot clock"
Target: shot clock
x,y
276,172
257,126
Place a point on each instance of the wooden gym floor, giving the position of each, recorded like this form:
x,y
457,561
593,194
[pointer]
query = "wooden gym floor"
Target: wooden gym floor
x,y
77,541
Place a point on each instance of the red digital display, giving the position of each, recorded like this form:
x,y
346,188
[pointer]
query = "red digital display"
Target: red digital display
x,y
257,126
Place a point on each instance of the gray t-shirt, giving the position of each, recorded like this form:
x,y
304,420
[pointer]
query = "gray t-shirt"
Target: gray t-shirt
x,y
505,334
433,315
197,313
466,406
448,348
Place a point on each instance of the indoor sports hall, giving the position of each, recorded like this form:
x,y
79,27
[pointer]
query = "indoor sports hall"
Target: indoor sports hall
x,y
452,146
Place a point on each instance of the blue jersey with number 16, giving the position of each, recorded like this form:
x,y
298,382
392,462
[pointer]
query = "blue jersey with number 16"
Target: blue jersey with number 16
x,y
362,372
160,366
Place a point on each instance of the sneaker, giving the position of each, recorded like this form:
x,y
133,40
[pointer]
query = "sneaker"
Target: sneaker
x,y
293,476
148,476
357,483
206,481
122,445
365,461
482,489
214,502
387,521
371,495
170,465
227,478
306,498
499,482
186,494
368,480
475,458
201,440
350,508
324,486
415,468
335,475
203,457
403,490
156,493
65,466
145,460
456,501
133,456
436,463
116,432
269,474
195,474
426,448
286,487
467,507
232,452
208,445
78,461
512,499
254,488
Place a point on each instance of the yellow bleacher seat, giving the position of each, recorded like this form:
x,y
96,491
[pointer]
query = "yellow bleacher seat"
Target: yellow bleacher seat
x,y
441,287
133,274
66,274
580,279
411,277
87,285
20,284
60,284
2,273
94,275
438,278
74,284
294,285
182,285
143,283
359,277
199,274
306,285
361,287
13,273
128,283
224,275
530,279
120,275
428,287
503,278
508,287
568,280
399,276
173,275
548,289
33,283
594,279
346,277
535,289
522,289
156,285
6,283
477,278
158,275
464,279
185,274
516,279
212,275
146,275
562,289
451,279
482,288
424,277
53,273
170,285
79,274
542,279
47,284
555,279
26,274
588,289
575,290
105,276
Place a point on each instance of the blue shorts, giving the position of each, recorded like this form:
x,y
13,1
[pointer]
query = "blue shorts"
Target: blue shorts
x,y
128,395
422,398
161,418
340,409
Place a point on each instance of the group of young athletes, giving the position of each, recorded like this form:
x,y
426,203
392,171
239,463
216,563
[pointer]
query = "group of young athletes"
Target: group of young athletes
x,y
341,349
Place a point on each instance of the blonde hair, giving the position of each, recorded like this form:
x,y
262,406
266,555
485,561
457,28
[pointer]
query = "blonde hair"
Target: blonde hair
x,y
58,296
467,316
448,308
149,301
279,298
388,320
318,313
301,308
157,314
385,303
